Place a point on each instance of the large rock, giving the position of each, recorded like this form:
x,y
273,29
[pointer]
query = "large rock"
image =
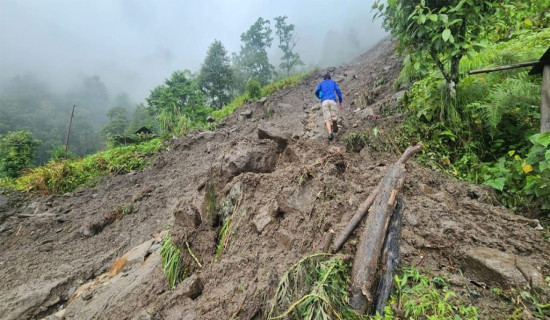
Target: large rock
x,y
268,130
495,267
187,215
250,156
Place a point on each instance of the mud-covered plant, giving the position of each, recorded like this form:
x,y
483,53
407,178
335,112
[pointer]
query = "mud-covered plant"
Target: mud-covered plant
x,y
357,140
223,237
314,288
172,262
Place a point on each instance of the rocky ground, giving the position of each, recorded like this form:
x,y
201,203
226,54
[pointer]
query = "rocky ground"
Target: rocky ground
x,y
94,253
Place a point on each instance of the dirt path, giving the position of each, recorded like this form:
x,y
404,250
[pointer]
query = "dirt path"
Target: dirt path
x,y
289,185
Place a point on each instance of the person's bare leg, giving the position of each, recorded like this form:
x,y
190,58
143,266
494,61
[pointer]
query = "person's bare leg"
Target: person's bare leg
x,y
329,126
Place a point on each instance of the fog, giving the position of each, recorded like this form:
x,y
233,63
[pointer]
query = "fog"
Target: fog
x,y
133,45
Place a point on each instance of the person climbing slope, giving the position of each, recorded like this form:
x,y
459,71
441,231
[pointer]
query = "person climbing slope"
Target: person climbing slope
x,y
326,92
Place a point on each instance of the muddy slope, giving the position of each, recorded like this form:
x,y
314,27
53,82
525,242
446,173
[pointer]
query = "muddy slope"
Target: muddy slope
x,y
272,171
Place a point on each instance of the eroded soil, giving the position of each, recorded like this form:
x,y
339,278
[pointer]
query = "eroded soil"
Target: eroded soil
x,y
282,184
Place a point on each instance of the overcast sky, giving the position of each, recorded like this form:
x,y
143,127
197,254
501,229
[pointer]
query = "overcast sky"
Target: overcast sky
x,y
133,45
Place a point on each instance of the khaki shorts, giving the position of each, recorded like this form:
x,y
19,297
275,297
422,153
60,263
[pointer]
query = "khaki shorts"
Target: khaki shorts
x,y
329,108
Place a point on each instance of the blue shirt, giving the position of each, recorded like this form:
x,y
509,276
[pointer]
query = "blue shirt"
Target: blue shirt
x,y
325,91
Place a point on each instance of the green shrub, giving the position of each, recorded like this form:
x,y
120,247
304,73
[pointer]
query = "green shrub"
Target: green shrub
x,y
253,89
17,152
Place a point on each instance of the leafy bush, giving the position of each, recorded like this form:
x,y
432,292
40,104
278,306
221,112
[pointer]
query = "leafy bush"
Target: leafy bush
x,y
253,89
17,152
470,135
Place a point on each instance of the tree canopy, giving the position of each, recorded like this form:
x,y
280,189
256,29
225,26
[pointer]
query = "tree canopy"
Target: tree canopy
x,y
441,30
287,43
216,76
253,55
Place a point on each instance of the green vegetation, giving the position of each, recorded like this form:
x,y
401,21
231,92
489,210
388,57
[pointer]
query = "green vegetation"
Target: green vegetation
x,y
253,89
314,288
417,295
252,60
17,152
66,175
172,262
266,91
287,43
223,237
482,128
216,76
524,300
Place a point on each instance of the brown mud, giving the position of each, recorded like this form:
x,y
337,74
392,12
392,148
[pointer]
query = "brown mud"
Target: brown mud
x,y
270,169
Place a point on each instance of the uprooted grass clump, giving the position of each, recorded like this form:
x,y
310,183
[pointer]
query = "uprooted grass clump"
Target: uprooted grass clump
x,y
172,262
314,288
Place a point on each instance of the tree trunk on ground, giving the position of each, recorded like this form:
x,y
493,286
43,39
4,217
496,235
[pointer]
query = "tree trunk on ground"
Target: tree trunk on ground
x,y
365,264
357,217
390,258
367,257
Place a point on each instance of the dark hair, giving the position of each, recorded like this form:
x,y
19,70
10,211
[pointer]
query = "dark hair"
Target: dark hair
x,y
326,76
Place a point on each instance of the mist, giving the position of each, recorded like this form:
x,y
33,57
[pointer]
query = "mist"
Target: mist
x,y
132,46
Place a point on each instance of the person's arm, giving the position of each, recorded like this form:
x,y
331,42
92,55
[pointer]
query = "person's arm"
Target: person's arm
x,y
318,90
339,93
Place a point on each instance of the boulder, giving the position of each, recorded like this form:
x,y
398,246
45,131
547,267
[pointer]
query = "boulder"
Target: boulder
x,y
267,130
248,156
495,267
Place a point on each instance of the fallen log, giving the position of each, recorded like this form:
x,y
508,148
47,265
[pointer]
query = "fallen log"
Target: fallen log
x,y
354,221
390,258
367,257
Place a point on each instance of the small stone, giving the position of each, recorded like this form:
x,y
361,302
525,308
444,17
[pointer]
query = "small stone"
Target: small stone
x,y
62,219
59,230
94,195
539,227
87,295
354,125
71,292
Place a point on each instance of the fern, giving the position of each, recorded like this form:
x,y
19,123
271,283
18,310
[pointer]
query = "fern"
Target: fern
x,y
512,94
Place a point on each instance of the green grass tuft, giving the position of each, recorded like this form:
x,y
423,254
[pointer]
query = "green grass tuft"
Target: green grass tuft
x,y
172,262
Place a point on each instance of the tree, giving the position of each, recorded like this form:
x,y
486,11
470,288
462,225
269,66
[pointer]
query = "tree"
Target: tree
x,y
178,103
442,30
117,122
253,55
179,95
17,152
216,76
287,43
